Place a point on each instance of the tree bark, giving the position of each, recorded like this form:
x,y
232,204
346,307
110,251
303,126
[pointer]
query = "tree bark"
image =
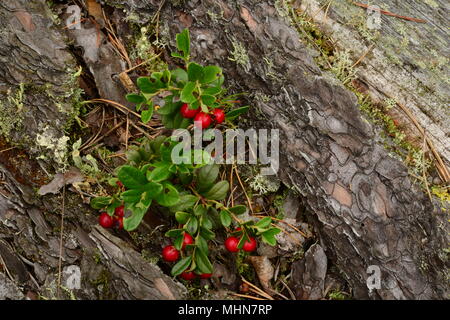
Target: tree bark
x,y
366,209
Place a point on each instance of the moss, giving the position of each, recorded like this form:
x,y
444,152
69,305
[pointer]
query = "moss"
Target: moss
x,y
102,285
11,111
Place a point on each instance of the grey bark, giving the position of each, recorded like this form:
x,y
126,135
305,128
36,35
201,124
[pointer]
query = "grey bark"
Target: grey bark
x,y
96,264
405,60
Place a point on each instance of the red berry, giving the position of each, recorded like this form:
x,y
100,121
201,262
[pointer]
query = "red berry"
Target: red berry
x,y
188,113
202,120
119,222
105,220
188,275
205,275
250,246
120,211
120,184
219,115
170,254
231,244
187,239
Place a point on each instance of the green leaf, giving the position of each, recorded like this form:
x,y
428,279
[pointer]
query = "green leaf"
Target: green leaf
x,y
179,75
202,262
264,222
146,115
208,100
206,176
218,191
100,202
182,217
169,107
202,244
186,202
200,210
132,196
243,239
236,112
186,94
269,236
210,74
195,72
135,98
178,242
192,225
131,177
212,91
159,174
239,209
135,219
225,218
146,85
169,197
183,43
181,266
173,233
207,234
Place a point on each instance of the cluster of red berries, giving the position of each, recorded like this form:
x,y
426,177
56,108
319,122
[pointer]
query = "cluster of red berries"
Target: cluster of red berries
x,y
107,221
171,254
231,244
201,118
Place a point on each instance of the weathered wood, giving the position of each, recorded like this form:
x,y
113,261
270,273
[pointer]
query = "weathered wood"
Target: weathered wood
x,y
108,267
38,83
367,209
405,60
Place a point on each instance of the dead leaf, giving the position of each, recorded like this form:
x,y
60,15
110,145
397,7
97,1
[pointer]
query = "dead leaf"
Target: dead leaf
x,y
264,270
25,20
95,10
70,177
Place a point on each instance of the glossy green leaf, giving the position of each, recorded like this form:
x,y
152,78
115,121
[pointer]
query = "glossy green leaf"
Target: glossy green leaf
x,y
135,98
210,74
146,115
181,266
183,42
269,236
186,201
182,217
195,72
186,94
206,176
192,225
225,218
179,75
100,202
202,262
169,197
218,191
159,174
131,177
239,209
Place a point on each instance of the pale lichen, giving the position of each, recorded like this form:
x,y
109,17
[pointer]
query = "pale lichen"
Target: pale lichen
x,y
239,55
48,141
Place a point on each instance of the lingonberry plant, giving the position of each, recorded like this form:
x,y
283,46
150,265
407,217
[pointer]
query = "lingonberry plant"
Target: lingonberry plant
x,y
193,92
191,190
